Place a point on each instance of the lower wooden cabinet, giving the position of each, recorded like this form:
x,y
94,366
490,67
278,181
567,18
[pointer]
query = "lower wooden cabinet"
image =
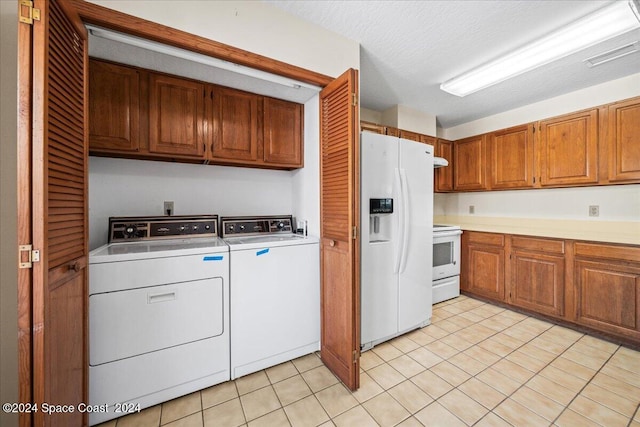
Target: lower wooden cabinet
x,y
483,264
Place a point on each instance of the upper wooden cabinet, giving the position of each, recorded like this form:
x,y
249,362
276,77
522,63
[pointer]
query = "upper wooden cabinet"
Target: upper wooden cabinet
x,y
282,132
624,141
176,116
114,107
444,176
568,151
235,125
372,127
511,154
470,159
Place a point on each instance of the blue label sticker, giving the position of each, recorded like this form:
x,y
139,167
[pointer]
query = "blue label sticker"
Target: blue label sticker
x,y
262,252
213,258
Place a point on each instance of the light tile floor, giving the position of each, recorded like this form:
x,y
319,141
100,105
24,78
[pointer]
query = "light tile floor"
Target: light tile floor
x,y
476,364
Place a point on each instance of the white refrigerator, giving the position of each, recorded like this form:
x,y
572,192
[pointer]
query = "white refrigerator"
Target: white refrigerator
x,y
396,177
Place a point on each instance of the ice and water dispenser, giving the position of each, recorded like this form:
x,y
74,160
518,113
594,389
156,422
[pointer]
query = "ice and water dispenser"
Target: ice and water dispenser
x,y
380,218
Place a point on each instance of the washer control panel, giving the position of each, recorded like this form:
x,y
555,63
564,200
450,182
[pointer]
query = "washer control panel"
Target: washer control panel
x,y
256,226
149,228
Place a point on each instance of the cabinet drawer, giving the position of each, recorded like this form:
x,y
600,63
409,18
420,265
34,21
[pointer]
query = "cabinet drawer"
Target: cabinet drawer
x,y
597,250
486,238
539,245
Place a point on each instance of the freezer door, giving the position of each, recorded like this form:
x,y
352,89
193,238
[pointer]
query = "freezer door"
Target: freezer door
x,y
415,280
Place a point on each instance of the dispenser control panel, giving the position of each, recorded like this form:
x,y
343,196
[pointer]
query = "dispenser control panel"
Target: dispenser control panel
x,y
380,206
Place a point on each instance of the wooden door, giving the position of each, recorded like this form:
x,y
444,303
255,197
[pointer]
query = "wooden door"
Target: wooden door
x,y
235,125
483,264
54,195
470,158
568,152
339,241
114,107
444,175
624,141
176,116
282,132
511,153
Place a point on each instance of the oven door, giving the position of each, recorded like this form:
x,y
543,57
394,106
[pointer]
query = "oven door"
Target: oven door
x,y
446,254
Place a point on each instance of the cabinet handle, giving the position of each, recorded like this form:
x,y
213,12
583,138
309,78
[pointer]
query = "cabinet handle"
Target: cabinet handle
x,y
75,266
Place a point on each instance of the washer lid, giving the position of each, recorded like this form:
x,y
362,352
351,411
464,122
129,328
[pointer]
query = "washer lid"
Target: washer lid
x,y
253,242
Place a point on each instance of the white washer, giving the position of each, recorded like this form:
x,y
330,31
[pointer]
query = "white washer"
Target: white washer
x,y
275,292
158,314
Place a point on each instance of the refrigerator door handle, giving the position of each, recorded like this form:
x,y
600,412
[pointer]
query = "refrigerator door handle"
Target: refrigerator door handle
x,y
406,211
398,257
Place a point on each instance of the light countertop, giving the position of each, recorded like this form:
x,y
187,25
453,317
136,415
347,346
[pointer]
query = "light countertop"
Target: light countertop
x,y
627,232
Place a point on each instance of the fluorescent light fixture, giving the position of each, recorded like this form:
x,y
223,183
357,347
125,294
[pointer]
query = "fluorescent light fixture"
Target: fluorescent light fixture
x,y
612,54
606,23
197,57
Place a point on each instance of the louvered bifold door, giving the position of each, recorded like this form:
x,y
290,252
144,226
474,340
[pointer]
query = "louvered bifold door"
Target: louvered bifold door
x,y
339,211
59,212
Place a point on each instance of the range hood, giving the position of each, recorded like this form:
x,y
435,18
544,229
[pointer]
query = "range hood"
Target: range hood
x,y
439,162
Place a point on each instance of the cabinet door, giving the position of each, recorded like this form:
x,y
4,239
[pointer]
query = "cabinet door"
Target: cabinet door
x,y
511,152
235,125
444,175
608,296
482,269
469,156
569,149
392,131
426,139
412,136
372,127
537,282
114,100
176,116
283,132
624,141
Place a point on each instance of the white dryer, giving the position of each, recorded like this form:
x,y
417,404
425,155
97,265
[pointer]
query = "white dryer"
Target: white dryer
x,y
275,292
158,312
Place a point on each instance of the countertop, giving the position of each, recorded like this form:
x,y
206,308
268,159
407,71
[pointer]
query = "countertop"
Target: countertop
x,y
627,232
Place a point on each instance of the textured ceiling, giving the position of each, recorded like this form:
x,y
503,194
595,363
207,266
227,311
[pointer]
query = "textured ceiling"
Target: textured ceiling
x,y
407,48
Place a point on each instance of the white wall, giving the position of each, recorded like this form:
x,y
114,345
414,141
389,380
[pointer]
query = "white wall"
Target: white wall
x,y
8,209
254,26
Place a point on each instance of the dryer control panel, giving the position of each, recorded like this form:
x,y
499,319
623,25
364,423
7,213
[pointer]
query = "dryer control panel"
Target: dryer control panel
x,y
162,227
256,226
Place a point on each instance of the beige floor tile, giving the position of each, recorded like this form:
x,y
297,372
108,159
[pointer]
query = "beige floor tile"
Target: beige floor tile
x,y
473,317
436,415
111,423
450,373
493,324
369,359
526,361
561,335
616,386
536,402
457,342
281,372
410,396
552,390
386,410
536,324
193,420
467,363
386,376
386,351
492,420
602,355
584,359
597,343
327,424
181,407
404,344
252,382
461,321
407,366
448,326
410,422
306,412
307,362
626,358
228,414
368,388
538,353
357,416
573,368
431,384
218,393
336,399
553,347
482,393
420,337
630,377
434,332
572,419
259,402
273,419
425,357
513,370
622,405
476,333
319,378
521,333
480,354
498,381
291,390
598,413
517,415
463,407
441,349
566,380
454,308
149,417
